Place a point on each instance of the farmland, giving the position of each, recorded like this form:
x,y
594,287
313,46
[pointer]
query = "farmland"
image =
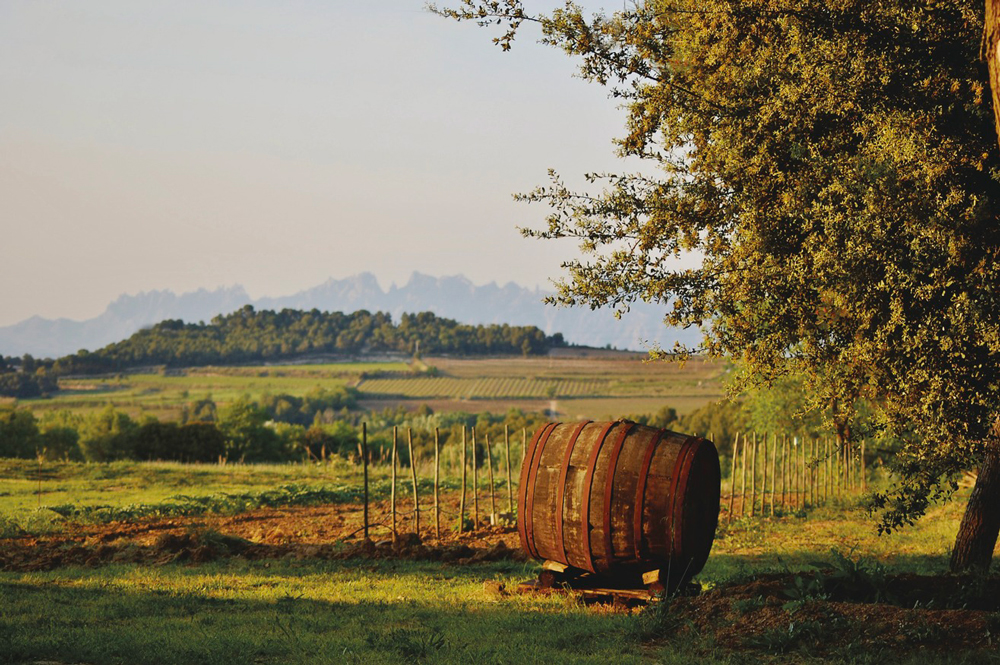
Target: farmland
x,y
228,562
293,581
603,385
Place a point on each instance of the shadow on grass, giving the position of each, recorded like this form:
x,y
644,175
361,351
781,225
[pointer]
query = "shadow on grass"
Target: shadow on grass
x,y
242,612
723,568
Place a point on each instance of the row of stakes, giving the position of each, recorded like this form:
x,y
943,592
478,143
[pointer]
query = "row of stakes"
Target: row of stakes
x,y
810,472
437,458
803,472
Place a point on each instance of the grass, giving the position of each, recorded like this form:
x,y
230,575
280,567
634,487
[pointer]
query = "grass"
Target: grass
x,y
298,612
391,611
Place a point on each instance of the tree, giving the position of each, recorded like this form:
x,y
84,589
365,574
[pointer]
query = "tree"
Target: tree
x,y
836,164
247,437
107,435
19,436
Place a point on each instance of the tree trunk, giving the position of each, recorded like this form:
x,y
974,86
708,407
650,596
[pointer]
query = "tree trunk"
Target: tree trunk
x,y
991,51
977,535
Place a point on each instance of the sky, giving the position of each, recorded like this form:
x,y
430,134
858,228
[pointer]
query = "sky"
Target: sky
x,y
183,145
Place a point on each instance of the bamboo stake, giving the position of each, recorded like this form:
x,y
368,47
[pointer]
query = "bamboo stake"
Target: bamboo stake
x,y
510,491
393,492
461,504
732,476
493,496
802,475
814,471
413,477
810,474
774,478
753,478
795,472
806,474
784,471
437,465
475,482
763,484
364,462
743,484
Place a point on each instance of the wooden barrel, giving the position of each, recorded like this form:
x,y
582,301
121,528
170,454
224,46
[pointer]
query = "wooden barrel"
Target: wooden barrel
x,y
606,497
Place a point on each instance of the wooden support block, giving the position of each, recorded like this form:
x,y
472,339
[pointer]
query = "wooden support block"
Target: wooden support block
x,y
652,577
554,566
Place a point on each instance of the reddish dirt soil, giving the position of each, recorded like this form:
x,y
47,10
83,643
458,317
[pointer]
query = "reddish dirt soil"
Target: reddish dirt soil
x,y
330,531
953,614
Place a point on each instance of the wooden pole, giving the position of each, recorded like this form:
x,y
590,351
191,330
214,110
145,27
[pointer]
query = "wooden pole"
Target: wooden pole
x,y
493,495
732,476
774,478
743,483
753,478
413,477
763,483
475,482
806,474
802,476
795,472
784,471
437,465
461,503
364,462
510,490
811,474
392,493
524,445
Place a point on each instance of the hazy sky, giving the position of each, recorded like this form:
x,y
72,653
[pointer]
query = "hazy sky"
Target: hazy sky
x,y
177,145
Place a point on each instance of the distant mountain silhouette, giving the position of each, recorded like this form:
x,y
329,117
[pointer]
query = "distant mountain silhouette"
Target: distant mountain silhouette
x,y
453,297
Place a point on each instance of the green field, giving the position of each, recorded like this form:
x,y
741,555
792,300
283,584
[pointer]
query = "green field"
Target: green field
x,y
595,387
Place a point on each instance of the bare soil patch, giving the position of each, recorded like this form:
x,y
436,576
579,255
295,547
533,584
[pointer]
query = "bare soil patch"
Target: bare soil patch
x,y
328,531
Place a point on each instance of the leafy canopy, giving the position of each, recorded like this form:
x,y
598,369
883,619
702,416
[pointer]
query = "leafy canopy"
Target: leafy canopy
x,y
836,165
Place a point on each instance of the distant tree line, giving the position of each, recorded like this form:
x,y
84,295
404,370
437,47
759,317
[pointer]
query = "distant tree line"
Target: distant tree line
x,y
274,428
248,336
34,382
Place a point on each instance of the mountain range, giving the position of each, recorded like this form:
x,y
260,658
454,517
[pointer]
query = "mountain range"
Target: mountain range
x,y
454,297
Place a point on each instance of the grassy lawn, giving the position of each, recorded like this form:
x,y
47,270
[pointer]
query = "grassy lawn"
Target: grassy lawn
x,y
300,612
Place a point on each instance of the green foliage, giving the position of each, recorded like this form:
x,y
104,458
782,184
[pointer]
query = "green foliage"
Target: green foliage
x,y
663,418
107,435
24,385
247,438
247,336
835,165
190,442
19,435
722,420
318,405
226,503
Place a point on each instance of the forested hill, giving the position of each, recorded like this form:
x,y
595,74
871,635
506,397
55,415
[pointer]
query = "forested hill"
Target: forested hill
x,y
248,336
